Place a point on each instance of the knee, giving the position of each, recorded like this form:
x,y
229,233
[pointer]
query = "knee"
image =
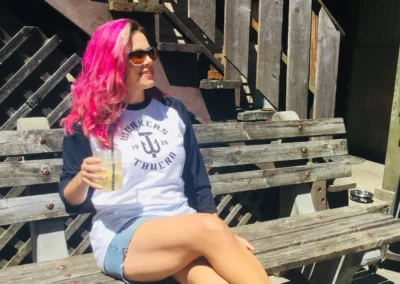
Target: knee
x,y
212,227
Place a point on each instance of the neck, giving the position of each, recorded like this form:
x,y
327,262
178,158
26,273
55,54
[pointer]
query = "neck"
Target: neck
x,y
135,97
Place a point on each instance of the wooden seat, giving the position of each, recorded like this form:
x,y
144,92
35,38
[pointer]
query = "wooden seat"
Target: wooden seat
x,y
280,244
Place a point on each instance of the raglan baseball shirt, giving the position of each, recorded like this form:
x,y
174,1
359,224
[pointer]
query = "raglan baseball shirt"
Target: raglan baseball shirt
x,y
163,171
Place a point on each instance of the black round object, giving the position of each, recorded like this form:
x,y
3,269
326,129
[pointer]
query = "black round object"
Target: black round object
x,y
361,196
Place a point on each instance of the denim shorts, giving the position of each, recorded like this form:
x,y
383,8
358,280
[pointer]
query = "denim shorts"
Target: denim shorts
x,y
114,259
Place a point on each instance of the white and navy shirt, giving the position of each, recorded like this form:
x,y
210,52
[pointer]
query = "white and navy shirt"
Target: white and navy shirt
x,y
163,170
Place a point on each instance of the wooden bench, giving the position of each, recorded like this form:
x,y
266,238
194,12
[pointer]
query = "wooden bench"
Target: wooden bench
x,y
320,237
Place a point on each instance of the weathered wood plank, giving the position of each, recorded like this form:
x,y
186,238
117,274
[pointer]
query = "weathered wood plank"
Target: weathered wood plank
x,y
20,173
180,47
15,42
59,111
245,181
135,7
30,172
13,143
327,67
20,255
80,249
219,84
255,115
236,34
270,17
298,56
241,155
75,224
28,68
32,208
331,248
203,13
188,34
42,92
8,234
244,131
391,174
341,187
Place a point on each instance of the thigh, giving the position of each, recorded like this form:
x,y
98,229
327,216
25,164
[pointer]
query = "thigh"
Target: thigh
x,y
199,272
161,247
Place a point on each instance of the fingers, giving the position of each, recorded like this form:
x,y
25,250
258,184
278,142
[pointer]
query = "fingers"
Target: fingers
x,y
92,168
91,183
91,161
245,243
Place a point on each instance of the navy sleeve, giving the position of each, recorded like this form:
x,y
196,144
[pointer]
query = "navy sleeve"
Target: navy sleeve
x,y
76,147
197,183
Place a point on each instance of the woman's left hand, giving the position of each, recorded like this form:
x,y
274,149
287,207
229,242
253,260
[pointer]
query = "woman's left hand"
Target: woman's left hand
x,y
245,243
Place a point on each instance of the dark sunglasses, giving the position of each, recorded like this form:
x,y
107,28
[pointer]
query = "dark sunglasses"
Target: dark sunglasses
x,y
137,57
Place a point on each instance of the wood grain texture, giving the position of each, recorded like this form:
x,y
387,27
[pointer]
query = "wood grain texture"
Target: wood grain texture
x,y
13,143
236,34
298,56
180,47
269,49
255,115
135,7
28,67
219,84
203,13
341,187
241,155
15,42
327,67
60,110
245,181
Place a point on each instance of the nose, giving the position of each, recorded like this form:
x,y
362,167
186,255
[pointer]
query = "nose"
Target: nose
x,y
148,61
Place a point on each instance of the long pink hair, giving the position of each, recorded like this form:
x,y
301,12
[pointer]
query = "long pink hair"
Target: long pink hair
x,y
99,91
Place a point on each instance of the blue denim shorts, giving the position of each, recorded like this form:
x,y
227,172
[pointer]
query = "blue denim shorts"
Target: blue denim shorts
x,y
114,259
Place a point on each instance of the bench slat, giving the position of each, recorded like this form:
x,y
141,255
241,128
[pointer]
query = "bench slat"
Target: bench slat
x,y
292,257
242,155
30,172
33,208
244,181
297,254
14,143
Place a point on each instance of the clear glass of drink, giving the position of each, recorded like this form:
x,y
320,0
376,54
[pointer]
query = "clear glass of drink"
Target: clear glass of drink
x,y
112,162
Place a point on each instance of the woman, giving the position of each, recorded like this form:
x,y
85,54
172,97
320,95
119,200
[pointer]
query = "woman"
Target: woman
x,y
163,221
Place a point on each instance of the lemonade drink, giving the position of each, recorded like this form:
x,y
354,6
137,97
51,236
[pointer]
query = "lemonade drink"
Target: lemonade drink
x,y
107,162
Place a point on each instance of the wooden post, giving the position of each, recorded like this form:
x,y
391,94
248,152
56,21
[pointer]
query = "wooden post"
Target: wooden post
x,y
270,15
327,67
298,56
391,174
48,237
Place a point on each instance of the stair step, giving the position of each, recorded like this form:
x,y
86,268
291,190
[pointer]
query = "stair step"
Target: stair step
x,y
255,115
15,42
220,84
135,7
180,47
28,68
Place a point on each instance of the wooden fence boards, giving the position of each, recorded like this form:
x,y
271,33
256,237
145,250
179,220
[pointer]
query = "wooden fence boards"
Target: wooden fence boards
x,y
327,67
236,34
269,49
298,56
203,13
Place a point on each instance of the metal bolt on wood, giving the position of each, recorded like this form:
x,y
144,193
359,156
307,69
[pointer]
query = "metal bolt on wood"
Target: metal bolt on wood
x,y
67,275
61,267
300,127
42,140
45,172
304,150
308,174
50,206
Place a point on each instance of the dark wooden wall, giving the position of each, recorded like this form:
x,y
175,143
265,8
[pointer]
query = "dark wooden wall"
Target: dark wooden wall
x,y
376,47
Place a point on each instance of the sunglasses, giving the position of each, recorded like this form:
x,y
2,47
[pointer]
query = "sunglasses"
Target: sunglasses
x,y
137,57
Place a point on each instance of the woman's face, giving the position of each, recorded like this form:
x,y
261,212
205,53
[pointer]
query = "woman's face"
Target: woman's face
x,y
139,77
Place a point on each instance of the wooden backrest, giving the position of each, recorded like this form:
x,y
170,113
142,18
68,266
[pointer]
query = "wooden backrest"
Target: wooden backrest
x,y
214,140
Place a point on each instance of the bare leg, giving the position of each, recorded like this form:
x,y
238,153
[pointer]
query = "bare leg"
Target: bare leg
x,y
163,247
199,272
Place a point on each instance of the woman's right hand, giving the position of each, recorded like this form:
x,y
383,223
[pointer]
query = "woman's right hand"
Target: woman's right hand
x,y
90,170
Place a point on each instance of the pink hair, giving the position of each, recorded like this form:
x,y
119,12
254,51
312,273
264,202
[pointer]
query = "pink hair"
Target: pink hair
x,y
99,91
